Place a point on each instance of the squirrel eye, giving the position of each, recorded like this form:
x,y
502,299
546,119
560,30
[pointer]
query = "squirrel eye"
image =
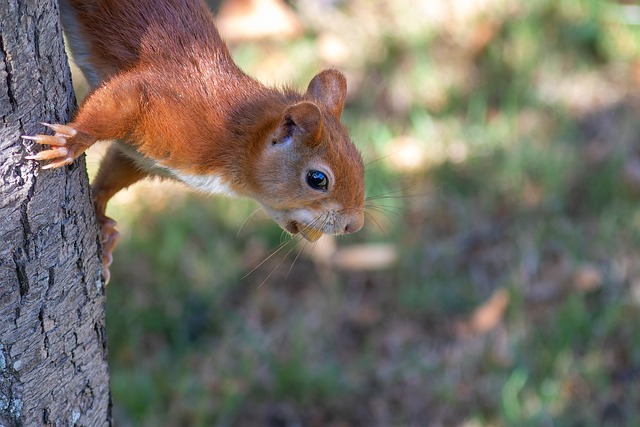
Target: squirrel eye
x,y
317,180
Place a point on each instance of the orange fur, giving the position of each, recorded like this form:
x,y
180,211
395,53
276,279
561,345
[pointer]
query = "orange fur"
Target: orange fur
x,y
166,88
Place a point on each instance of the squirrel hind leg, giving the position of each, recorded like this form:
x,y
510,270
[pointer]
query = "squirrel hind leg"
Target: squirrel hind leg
x,y
109,237
117,171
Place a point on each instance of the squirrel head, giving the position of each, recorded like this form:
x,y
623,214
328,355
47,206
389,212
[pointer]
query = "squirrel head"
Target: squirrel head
x,y
309,176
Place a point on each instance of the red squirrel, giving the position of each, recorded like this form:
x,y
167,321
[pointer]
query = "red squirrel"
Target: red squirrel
x,y
165,88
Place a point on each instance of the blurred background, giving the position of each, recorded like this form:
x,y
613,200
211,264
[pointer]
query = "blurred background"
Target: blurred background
x,y
497,279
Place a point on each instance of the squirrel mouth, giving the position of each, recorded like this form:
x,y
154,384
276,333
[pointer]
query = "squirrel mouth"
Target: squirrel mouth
x,y
311,234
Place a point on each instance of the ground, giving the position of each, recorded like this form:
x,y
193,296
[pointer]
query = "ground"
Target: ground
x,y
497,281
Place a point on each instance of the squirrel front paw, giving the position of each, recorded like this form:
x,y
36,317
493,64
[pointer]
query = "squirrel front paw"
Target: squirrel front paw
x,y
65,151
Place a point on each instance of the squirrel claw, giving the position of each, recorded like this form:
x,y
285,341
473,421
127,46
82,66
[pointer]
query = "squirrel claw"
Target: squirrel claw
x,y
61,130
65,161
55,140
106,273
49,154
109,238
107,259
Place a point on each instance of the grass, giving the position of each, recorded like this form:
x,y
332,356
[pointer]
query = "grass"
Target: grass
x,y
521,130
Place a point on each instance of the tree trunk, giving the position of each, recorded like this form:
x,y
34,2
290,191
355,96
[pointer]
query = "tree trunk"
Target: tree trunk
x,y
53,353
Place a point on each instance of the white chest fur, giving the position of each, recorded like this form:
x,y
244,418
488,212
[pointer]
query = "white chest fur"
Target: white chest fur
x,y
211,184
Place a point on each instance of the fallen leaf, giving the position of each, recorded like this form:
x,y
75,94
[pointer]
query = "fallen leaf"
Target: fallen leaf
x,y
365,257
488,315
481,36
587,277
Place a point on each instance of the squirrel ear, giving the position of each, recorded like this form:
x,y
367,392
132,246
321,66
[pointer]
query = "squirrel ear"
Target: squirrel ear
x,y
306,117
329,87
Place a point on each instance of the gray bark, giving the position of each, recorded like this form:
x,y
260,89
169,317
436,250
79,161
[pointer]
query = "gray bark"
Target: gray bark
x,y
53,366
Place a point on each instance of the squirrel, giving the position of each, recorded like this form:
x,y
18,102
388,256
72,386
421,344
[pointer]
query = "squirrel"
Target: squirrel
x,y
165,88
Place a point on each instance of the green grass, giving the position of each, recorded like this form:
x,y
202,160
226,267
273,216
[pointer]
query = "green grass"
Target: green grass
x,y
522,188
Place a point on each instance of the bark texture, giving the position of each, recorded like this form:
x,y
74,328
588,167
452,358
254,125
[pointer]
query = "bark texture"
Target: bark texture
x,y
53,354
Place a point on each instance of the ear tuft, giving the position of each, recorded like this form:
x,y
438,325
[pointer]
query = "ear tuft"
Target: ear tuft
x,y
329,87
307,118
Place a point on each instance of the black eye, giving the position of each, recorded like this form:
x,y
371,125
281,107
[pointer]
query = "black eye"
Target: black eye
x,y
317,180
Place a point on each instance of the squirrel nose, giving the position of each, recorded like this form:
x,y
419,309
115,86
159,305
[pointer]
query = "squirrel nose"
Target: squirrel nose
x,y
354,224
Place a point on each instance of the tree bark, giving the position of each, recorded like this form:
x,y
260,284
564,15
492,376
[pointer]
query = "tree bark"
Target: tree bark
x,y
53,353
